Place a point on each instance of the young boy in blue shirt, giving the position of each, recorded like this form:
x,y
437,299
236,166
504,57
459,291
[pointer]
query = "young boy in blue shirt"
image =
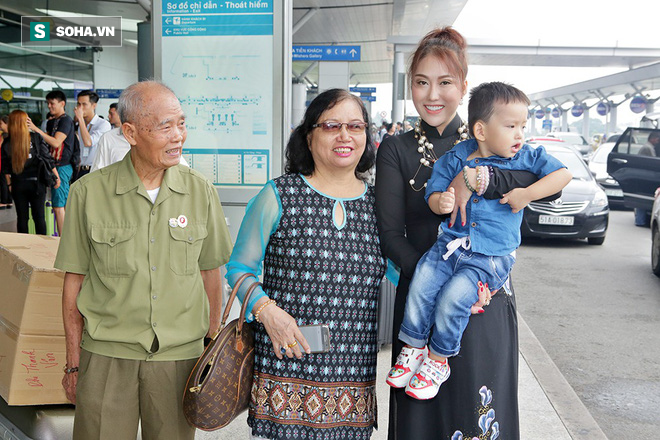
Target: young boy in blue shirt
x,y
479,250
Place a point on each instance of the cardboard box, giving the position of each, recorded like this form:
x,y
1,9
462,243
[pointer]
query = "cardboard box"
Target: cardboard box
x,y
31,288
31,368
32,346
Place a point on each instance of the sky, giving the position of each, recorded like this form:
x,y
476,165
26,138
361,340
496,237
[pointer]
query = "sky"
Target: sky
x,y
600,23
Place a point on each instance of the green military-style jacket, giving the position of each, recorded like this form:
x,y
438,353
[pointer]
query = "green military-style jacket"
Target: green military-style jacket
x,y
142,260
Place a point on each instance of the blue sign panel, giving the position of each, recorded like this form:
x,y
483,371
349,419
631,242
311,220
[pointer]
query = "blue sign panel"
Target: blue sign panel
x,y
362,89
603,108
326,53
577,110
540,114
109,93
547,124
368,98
556,112
208,18
638,104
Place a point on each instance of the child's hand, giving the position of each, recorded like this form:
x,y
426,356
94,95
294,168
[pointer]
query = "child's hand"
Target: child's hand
x,y
446,201
516,198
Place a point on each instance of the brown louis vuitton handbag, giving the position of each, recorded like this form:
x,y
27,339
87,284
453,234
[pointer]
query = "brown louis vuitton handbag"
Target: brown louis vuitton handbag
x,y
218,388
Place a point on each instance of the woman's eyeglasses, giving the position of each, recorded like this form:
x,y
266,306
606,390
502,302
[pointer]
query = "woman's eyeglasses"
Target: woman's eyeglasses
x,y
353,127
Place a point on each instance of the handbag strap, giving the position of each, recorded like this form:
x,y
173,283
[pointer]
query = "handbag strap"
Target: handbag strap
x,y
241,321
233,294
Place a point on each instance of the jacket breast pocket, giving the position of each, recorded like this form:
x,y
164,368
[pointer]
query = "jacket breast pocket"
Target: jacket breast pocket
x,y
115,249
185,248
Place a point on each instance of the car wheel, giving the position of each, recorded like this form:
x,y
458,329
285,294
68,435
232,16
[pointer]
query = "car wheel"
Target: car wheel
x,y
655,251
596,240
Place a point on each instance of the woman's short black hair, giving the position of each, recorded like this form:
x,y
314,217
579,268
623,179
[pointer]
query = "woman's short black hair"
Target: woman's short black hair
x,y
298,156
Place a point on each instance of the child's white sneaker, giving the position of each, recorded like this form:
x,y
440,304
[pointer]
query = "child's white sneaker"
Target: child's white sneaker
x,y
426,381
407,362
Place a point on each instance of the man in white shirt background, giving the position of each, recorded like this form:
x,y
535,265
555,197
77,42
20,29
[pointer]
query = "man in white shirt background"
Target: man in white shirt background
x,y
90,129
113,116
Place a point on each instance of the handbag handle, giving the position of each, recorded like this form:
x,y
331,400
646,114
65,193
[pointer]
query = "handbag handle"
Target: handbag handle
x,y
230,301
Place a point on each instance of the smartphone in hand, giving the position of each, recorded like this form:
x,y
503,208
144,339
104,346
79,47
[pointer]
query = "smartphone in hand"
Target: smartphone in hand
x,y
317,336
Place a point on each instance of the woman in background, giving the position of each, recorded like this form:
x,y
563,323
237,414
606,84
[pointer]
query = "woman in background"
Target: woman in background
x,y
5,197
21,167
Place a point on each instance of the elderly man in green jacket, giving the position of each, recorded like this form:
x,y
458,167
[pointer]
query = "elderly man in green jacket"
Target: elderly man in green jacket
x,y
141,250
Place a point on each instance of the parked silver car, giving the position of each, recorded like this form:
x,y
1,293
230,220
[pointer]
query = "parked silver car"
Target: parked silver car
x,y
573,138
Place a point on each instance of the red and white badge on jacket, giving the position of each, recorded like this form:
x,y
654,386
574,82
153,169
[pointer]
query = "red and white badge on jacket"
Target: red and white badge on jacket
x,y
182,221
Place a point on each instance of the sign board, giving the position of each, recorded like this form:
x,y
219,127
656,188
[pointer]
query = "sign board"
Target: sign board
x,y
368,98
577,110
218,57
638,104
362,90
540,114
603,108
109,93
326,53
547,124
556,112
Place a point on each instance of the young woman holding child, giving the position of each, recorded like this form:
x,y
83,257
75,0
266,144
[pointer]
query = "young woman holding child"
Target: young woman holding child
x,y
481,396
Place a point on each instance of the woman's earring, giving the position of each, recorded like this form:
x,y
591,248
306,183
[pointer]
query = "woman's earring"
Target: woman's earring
x,y
460,102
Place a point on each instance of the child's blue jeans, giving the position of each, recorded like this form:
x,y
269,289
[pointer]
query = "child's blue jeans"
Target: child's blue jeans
x,y
442,292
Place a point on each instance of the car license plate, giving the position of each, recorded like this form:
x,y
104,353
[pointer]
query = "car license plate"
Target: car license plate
x,y
614,192
556,220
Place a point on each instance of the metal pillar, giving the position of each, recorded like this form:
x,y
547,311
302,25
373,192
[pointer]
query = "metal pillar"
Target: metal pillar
x,y
611,124
399,86
585,121
145,58
299,98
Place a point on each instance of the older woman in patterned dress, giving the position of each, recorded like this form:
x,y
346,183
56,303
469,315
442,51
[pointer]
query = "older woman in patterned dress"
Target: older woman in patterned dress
x,y
314,230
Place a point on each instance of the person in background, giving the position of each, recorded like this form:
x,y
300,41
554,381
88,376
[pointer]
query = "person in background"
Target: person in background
x,y
60,137
20,164
113,116
399,129
314,232
485,375
133,330
44,123
90,129
5,194
406,126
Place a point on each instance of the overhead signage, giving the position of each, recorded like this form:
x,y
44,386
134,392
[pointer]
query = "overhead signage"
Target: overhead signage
x,y
638,104
577,110
210,18
326,53
540,113
556,112
368,98
547,124
603,108
363,90
7,94
109,93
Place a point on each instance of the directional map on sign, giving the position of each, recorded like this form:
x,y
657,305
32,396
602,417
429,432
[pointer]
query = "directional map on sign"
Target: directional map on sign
x,y
218,57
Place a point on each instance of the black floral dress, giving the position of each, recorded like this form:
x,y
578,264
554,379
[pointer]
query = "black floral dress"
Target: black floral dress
x,y
320,272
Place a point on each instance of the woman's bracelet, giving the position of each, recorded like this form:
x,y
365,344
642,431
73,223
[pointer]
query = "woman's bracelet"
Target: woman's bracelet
x,y
482,180
263,306
467,180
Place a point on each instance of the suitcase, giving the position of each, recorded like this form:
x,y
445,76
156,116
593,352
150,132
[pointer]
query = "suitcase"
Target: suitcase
x,y
50,220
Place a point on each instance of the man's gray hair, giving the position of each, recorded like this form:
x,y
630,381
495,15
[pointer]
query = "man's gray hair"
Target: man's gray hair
x,y
131,100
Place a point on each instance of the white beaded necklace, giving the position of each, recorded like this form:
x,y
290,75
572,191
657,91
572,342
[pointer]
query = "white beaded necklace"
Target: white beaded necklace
x,y
426,149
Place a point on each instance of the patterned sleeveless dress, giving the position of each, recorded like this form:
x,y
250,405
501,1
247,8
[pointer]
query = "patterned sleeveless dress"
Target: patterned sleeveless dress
x,y
320,272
